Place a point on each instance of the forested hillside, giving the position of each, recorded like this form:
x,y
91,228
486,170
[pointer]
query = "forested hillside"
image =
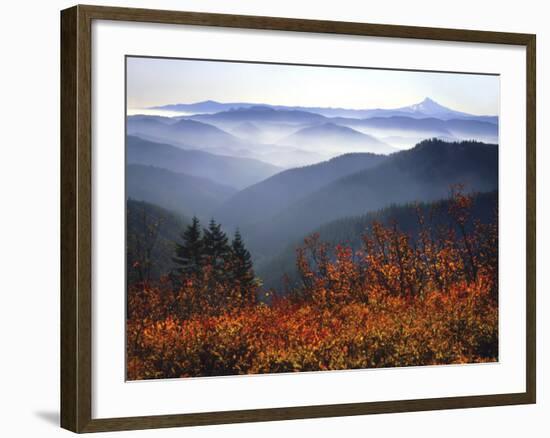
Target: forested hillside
x,y
151,236
260,201
183,193
396,302
271,238
424,174
236,172
349,230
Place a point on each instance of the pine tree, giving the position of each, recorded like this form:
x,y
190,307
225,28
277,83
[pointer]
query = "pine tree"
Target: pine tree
x,y
242,272
189,255
216,249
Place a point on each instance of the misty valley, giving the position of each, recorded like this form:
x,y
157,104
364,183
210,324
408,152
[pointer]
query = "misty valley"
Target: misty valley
x,y
256,220
213,166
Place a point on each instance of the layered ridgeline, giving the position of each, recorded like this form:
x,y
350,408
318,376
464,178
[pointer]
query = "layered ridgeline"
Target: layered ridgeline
x,y
330,138
260,201
426,108
320,208
424,173
230,171
186,133
152,234
186,194
274,215
405,131
291,137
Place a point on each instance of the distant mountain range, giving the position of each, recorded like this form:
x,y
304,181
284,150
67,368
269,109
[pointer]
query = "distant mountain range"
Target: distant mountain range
x,y
287,137
279,173
416,130
260,113
185,133
330,138
426,108
274,207
236,172
272,195
185,194
424,173
430,108
193,134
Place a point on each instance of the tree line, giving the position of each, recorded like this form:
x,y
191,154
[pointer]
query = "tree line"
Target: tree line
x,y
397,301
209,248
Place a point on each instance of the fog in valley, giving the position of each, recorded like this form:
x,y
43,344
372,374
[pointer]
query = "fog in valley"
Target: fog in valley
x,y
278,173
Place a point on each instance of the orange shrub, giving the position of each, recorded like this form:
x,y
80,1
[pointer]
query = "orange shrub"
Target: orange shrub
x,y
398,302
456,327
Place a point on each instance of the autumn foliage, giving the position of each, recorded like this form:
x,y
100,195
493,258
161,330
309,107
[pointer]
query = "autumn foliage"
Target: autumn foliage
x,y
398,301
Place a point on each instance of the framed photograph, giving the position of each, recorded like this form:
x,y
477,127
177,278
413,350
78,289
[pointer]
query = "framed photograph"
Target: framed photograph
x,y
270,218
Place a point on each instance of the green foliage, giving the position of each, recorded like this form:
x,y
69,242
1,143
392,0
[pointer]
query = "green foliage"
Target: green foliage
x,y
190,254
216,249
242,271
209,249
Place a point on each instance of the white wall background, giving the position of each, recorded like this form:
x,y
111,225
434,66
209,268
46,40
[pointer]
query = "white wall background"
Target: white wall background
x,y
29,215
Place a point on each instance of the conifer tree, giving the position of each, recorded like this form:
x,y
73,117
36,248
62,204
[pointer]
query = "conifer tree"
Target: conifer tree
x,y
242,263
189,255
216,249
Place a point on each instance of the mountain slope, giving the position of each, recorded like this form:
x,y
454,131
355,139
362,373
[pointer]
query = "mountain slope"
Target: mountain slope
x,y
141,219
427,108
430,108
483,131
247,131
254,144
260,113
268,197
186,194
348,230
232,171
423,173
330,138
188,133
430,127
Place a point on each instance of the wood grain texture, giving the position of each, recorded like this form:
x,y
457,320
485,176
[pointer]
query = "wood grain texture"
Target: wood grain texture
x,y
76,250
299,25
69,328
76,219
531,328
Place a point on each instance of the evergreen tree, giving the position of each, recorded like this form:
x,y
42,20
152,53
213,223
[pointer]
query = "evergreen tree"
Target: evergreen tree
x,y
242,263
189,255
216,249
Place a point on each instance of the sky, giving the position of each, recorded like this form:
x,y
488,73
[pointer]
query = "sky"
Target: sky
x,y
160,81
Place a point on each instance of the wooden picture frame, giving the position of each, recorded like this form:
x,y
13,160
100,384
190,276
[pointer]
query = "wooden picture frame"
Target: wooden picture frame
x,y
76,217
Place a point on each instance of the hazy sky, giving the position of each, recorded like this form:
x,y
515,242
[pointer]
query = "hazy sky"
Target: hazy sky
x,y
153,82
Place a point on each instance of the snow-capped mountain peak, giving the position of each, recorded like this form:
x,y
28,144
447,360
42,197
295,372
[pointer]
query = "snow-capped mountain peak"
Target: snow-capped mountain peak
x,y
429,107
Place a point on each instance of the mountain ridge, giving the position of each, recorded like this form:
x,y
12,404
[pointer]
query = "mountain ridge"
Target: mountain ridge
x,y
267,197
325,136
186,194
423,108
424,173
348,230
238,172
